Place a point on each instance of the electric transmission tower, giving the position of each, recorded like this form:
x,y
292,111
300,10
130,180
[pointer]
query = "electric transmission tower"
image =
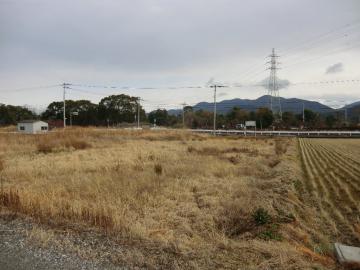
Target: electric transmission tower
x,y
273,88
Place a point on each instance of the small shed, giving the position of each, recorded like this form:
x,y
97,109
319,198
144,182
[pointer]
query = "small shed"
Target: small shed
x,y
32,126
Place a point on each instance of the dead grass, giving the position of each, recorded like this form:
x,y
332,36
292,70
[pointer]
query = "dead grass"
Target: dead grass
x,y
178,199
48,144
281,146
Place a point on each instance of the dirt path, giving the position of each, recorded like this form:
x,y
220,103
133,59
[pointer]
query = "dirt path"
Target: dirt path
x,y
17,253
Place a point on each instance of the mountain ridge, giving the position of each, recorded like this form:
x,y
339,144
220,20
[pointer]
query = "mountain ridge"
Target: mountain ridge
x,y
294,105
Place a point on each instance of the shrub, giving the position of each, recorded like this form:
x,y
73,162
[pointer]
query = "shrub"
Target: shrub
x,y
261,216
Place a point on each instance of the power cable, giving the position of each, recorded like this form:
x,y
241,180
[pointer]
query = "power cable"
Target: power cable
x,y
29,88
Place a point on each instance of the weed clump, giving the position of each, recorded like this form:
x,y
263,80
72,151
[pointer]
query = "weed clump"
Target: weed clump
x,y
158,169
280,147
261,216
234,160
273,162
1,177
45,147
234,220
49,145
298,185
77,144
271,233
1,165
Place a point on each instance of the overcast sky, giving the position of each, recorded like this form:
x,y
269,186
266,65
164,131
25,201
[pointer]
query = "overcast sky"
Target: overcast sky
x,y
159,43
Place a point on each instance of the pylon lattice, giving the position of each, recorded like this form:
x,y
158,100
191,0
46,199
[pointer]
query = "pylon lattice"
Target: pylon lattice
x,y
273,88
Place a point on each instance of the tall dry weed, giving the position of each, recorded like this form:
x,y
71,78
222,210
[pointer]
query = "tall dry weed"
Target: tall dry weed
x,y
50,144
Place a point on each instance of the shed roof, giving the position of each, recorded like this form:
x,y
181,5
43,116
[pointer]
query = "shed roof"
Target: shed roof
x,y
30,121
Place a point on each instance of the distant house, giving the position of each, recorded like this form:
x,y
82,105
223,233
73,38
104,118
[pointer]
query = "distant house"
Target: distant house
x,y
32,126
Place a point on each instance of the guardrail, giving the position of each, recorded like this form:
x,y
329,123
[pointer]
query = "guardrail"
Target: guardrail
x,y
302,133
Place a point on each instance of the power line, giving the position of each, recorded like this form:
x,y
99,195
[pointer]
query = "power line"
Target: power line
x,y
30,88
323,55
320,36
87,92
139,88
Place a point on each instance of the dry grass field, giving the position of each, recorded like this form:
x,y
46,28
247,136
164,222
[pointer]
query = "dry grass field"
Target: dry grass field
x,y
175,200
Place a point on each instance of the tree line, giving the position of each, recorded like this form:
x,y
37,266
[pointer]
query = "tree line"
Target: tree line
x,y
114,110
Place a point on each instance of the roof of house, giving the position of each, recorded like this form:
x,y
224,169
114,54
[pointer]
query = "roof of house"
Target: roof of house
x,y
30,121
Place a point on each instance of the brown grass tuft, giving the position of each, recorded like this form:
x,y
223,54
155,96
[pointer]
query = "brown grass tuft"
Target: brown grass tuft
x,y
325,261
273,162
45,147
77,144
352,266
158,169
281,145
234,219
2,164
50,144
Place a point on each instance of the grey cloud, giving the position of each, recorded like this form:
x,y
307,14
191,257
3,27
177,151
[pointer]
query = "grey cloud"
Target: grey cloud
x,y
222,94
152,42
141,35
336,68
280,83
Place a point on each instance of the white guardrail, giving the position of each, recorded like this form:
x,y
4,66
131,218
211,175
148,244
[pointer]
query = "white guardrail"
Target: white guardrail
x,y
298,133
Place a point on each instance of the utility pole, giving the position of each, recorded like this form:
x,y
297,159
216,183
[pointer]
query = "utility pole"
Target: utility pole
x,y
138,112
183,114
273,90
215,86
65,86
71,116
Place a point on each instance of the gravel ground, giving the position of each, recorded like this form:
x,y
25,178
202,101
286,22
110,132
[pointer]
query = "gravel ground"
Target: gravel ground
x,y
17,253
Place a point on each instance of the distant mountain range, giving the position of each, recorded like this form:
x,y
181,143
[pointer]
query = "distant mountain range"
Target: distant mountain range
x,y
294,105
353,110
352,105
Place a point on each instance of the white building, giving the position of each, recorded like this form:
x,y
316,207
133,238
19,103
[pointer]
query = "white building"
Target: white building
x,y
32,126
